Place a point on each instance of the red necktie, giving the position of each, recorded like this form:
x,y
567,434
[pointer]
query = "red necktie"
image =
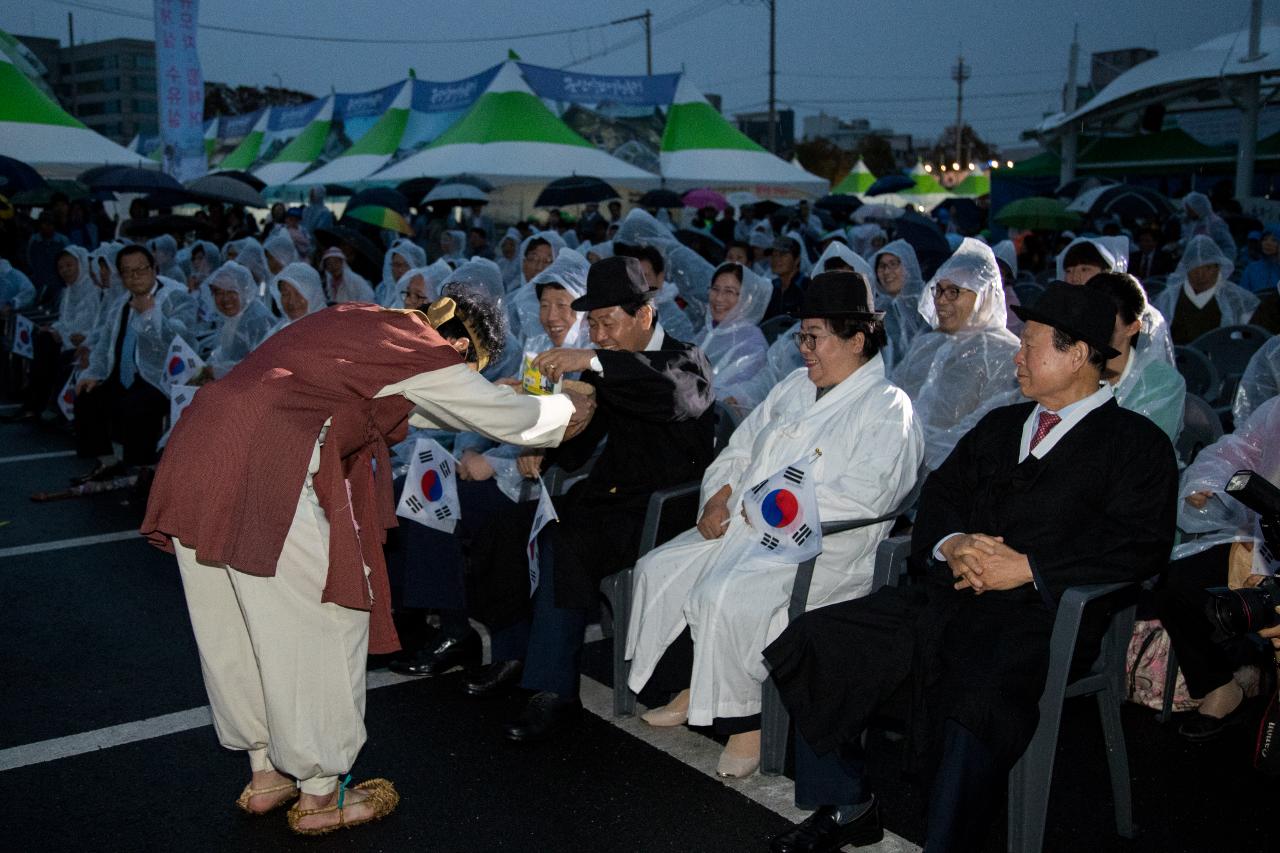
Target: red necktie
x,y
1048,420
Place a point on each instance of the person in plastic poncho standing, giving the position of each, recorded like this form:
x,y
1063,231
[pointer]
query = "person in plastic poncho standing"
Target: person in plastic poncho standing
x,y
709,582
278,516
964,367
1200,297
732,340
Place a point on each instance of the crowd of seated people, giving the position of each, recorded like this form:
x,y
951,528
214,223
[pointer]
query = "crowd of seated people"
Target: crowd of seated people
x,y
887,364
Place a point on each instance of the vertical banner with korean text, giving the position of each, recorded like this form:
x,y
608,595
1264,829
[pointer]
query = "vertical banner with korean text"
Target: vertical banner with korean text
x,y
180,88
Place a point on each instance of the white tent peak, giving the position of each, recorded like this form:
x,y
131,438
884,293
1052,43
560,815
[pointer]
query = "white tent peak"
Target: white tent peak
x,y
509,79
687,93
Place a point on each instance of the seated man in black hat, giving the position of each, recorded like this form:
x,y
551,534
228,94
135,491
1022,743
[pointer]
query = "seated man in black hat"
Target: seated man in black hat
x,y
654,406
1064,490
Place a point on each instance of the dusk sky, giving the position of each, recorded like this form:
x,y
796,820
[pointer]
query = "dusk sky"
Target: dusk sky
x,y
888,62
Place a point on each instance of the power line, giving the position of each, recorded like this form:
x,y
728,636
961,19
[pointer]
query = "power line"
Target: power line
x,y
810,102
679,19
140,16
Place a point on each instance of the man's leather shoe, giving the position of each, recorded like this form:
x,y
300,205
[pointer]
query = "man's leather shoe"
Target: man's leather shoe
x,y
1202,727
821,832
101,472
446,655
545,715
496,679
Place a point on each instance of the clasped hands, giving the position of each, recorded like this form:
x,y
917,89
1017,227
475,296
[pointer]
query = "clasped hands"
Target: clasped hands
x,y
982,562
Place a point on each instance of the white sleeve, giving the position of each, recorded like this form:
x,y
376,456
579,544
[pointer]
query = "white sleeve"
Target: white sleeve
x,y
458,398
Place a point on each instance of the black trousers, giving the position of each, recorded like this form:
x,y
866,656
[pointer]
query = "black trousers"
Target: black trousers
x,y
1180,603
133,417
49,369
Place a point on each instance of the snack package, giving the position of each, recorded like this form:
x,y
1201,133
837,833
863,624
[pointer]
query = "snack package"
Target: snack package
x,y
532,379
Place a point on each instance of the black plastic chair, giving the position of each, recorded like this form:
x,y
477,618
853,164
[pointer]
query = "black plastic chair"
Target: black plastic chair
x,y
1197,371
1229,348
1201,427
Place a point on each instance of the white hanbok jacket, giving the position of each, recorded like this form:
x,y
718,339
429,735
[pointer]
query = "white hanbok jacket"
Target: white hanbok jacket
x,y
735,603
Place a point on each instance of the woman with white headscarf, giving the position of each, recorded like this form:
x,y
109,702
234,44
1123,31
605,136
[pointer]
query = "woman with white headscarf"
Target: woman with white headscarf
x,y
164,248
403,256
341,283
963,368
297,292
280,251
535,254
898,284
731,339
1199,219
248,253
1199,296
246,323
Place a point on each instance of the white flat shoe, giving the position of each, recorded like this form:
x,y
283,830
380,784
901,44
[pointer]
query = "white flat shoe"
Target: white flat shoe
x,y
736,766
665,717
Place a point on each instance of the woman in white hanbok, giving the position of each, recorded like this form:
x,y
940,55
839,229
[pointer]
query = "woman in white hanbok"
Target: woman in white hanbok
x,y
713,582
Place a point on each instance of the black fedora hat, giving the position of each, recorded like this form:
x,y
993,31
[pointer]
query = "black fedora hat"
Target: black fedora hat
x,y
839,293
613,281
1083,313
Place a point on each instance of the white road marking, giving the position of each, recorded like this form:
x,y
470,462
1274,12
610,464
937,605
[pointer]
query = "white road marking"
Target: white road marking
x,y
78,542
30,457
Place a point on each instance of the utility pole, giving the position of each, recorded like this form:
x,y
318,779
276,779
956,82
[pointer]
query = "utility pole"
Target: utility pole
x,y
1071,138
960,72
71,43
647,20
773,75
1250,105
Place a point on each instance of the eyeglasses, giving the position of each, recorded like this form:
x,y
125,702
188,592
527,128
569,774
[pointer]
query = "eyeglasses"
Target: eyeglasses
x,y
806,340
134,272
406,295
946,294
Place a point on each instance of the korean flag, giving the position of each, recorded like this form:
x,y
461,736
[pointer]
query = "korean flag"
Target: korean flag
x,y
24,336
545,514
180,397
182,363
430,493
783,512
67,397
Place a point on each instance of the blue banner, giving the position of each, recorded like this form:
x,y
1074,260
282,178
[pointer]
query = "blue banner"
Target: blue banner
x,y
434,97
572,87
365,104
180,88
294,117
238,127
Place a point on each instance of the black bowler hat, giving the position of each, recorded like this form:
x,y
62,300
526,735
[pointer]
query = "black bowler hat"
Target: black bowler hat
x,y
613,281
1083,313
839,293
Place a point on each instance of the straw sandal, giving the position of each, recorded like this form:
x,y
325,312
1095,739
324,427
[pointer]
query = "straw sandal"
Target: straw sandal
x,y
250,792
380,795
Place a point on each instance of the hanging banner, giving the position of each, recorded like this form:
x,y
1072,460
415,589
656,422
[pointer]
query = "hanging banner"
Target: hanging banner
x,y
180,88
629,90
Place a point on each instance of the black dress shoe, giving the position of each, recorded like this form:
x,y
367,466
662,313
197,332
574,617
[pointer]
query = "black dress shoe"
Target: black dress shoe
x,y
1202,727
821,832
448,654
101,472
545,715
496,679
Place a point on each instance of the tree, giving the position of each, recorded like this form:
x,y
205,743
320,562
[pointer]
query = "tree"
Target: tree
x,y
876,152
972,147
825,159
221,99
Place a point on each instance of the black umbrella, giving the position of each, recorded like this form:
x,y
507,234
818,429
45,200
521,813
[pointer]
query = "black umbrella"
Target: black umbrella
x,y
44,195
380,197
153,226
132,179
468,178
16,176
1076,186
244,178
664,199
926,238
90,174
225,188
416,187
339,234
1127,203
964,212
709,247
890,184
837,204
337,189
577,189
766,207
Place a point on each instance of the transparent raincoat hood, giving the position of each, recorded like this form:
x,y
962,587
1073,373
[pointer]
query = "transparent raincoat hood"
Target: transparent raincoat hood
x,y
78,305
248,254
1236,304
569,271
280,246
307,282
971,267
1260,382
1114,250
483,276
387,293
239,334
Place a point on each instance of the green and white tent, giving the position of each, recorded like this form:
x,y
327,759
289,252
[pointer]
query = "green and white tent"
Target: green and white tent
x,y
856,182
701,149
35,130
926,183
246,153
927,192
371,152
510,137
296,157
976,183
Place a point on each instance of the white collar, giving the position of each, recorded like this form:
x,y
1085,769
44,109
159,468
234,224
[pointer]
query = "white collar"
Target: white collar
x,y
1071,415
1199,299
1128,368
657,339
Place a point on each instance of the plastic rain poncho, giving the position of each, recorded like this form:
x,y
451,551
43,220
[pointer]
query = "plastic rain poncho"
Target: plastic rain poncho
x,y
1007,253
207,317
522,302
955,379
1206,223
172,314
1236,304
483,275
164,248
863,238
510,268
902,320
688,275
457,248
1260,382
306,281
280,247
249,254
1151,386
387,293
736,347
1254,445
349,286
240,333
16,290
78,306
1154,334
601,250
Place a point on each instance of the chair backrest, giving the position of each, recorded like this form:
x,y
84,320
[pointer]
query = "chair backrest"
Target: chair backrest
x,y
1201,427
1198,371
726,423
1154,285
1029,293
775,326
1231,347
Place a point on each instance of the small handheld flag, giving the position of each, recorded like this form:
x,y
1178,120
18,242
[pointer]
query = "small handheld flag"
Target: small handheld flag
x,y
430,495
182,363
24,336
545,514
783,512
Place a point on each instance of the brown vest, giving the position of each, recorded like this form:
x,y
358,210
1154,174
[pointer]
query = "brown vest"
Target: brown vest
x,y
235,463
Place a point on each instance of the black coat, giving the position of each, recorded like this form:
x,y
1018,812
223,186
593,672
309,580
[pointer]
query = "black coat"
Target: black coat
x,y
656,411
1098,508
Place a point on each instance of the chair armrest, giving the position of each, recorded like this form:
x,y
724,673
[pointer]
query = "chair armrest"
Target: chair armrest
x,y
653,514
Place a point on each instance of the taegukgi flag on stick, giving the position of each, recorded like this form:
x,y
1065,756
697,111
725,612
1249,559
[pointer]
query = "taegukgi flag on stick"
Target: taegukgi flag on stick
x,y
783,513
180,396
182,363
430,494
67,397
544,515
24,335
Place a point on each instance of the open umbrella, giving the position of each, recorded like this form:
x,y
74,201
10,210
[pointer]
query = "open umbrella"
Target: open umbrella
x,y
661,198
380,197
44,195
925,237
452,195
698,199
576,189
364,247
964,212
226,189
845,204
1075,186
132,179
381,217
416,187
706,245
890,184
878,212
1123,201
244,178
1038,213
766,207
468,178
16,176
